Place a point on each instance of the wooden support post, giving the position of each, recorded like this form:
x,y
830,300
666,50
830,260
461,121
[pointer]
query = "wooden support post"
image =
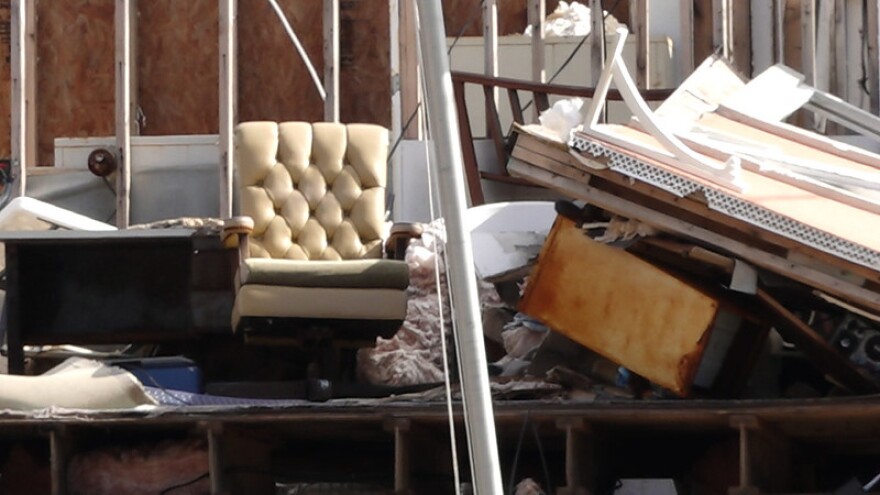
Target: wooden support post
x,y
839,85
126,11
401,429
215,457
23,105
740,36
410,87
686,48
394,62
808,40
640,20
59,447
823,62
537,15
721,27
580,469
765,457
779,30
331,59
873,65
763,46
490,46
597,42
228,92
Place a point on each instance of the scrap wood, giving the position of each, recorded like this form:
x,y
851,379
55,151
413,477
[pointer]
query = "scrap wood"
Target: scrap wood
x,y
666,223
838,367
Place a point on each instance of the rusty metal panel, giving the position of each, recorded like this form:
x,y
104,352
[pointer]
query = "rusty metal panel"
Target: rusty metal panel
x,y
620,307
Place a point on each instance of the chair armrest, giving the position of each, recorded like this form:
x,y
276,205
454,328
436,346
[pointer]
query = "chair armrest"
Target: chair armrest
x,y
399,237
235,233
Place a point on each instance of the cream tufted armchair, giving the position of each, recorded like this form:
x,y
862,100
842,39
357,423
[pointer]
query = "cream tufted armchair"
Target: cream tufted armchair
x,y
311,241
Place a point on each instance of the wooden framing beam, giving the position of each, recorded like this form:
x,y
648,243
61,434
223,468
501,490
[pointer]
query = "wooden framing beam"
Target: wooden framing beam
x,y
640,18
721,20
490,47
410,87
394,63
537,15
808,41
331,58
686,62
762,35
228,93
23,105
126,14
873,63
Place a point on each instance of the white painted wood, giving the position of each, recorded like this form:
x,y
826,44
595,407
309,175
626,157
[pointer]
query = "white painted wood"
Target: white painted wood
x,y
763,47
23,93
721,27
615,204
228,94
331,58
537,14
125,11
640,20
597,40
823,61
686,48
313,73
396,102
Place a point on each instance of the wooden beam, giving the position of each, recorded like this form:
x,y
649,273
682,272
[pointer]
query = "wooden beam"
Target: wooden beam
x,y
686,30
401,427
740,36
126,10
23,104
839,85
331,58
721,21
873,65
228,92
490,46
808,41
597,42
410,87
537,14
779,30
60,451
762,34
640,20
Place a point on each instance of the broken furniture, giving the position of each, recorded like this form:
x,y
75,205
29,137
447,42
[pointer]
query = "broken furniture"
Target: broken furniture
x,y
635,314
311,250
84,287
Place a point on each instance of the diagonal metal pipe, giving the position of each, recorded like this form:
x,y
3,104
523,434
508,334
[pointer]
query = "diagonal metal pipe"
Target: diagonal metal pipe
x,y
477,398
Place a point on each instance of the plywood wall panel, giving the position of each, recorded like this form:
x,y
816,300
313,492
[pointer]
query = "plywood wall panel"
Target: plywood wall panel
x,y
273,81
178,66
75,78
365,82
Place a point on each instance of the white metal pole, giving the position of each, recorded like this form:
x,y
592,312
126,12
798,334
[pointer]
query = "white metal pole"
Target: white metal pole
x,y
479,416
124,62
228,100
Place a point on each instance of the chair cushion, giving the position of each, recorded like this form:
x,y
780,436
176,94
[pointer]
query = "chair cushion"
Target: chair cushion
x,y
255,300
353,274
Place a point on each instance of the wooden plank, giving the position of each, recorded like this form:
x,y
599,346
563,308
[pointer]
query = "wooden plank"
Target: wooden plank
x,y
873,62
410,88
23,105
721,27
331,60
60,451
228,95
762,35
494,123
686,59
640,20
839,86
779,30
515,106
809,276
471,167
740,36
490,49
808,41
537,14
126,10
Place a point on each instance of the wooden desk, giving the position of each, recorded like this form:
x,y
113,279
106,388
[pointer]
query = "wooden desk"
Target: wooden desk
x,y
76,287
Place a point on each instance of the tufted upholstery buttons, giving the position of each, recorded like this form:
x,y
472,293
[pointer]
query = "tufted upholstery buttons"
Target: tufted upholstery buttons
x,y
314,191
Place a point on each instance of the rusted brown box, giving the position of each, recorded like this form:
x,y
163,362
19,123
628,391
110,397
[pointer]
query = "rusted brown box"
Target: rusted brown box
x,y
620,307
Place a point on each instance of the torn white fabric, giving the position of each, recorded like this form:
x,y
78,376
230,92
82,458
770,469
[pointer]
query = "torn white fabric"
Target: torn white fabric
x,y
76,383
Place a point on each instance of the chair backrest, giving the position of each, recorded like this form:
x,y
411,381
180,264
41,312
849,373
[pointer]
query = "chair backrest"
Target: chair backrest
x,y
316,191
